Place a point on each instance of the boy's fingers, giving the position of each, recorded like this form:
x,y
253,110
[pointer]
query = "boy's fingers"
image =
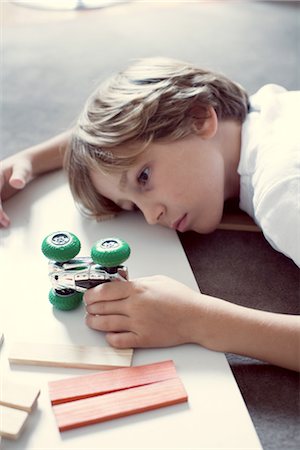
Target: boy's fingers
x,y
17,182
4,219
107,323
115,290
105,308
19,177
2,179
12,178
127,339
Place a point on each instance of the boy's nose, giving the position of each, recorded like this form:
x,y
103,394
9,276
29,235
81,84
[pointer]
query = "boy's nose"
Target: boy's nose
x,y
153,214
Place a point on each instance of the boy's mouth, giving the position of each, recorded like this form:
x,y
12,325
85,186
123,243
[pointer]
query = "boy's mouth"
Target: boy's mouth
x,y
180,224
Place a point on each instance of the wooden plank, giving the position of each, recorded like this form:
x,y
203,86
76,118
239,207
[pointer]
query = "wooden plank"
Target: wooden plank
x,y
17,395
12,422
76,356
237,221
119,404
75,388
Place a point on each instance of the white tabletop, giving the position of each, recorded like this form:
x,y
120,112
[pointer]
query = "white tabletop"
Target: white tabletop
x,y
215,416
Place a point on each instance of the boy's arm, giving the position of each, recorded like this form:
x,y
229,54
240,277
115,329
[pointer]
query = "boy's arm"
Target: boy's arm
x,y
18,170
263,335
48,155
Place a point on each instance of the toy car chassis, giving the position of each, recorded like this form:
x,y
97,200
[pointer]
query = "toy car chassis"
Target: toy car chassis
x,y
71,277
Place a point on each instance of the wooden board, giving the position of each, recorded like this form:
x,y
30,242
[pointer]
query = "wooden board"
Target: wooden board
x,y
76,356
237,221
90,385
12,422
18,395
118,404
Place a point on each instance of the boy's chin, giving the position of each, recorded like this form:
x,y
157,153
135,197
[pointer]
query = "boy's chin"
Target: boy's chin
x,y
206,228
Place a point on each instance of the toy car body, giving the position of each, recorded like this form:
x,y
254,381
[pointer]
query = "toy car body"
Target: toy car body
x,y
82,274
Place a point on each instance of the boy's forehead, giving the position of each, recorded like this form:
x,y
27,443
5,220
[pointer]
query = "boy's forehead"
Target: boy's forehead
x,y
116,173
105,181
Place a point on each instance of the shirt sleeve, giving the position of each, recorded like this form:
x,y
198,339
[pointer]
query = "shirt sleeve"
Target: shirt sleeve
x,y
278,214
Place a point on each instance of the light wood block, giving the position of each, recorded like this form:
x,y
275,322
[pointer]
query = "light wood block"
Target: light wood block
x,y
84,386
18,395
76,356
12,422
119,404
238,222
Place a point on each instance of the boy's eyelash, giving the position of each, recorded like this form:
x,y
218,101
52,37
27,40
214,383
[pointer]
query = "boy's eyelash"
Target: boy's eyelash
x,y
144,176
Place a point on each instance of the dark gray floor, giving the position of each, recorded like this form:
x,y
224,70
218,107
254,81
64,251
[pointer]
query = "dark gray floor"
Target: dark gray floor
x,y
241,267
48,69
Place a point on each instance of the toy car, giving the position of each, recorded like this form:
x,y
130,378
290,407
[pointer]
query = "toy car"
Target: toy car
x,y
71,277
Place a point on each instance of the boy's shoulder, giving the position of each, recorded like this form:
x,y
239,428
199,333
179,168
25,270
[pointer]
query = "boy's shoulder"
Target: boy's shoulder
x,y
269,94
270,144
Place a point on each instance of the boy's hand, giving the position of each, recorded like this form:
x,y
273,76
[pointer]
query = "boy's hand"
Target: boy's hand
x,y
15,173
148,312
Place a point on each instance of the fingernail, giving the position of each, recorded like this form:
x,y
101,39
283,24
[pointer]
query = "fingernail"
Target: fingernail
x,y
17,183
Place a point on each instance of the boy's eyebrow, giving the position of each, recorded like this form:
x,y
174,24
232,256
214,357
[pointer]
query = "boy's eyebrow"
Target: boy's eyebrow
x,y
123,180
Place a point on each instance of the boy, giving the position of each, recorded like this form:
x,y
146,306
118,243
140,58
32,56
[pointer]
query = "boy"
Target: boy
x,y
168,138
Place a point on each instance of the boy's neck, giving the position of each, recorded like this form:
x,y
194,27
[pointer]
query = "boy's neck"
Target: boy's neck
x,y
229,136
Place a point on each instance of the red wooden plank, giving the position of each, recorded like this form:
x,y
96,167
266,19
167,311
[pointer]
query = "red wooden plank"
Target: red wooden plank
x,y
99,383
119,404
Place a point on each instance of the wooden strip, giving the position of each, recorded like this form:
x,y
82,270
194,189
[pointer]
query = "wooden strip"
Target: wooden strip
x,y
76,356
18,395
12,422
238,222
119,404
84,386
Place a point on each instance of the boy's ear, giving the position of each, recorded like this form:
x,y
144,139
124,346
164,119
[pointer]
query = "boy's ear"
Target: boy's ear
x,y
207,127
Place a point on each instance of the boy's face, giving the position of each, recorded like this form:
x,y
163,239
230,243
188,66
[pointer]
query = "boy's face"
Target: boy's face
x,y
179,185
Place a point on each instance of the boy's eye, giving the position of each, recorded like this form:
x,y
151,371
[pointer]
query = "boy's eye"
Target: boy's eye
x,y
144,176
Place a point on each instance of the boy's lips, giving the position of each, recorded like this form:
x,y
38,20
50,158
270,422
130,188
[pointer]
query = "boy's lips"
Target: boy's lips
x,y
180,224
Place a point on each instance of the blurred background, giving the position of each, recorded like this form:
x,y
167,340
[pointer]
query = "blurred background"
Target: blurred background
x,y
53,53
52,58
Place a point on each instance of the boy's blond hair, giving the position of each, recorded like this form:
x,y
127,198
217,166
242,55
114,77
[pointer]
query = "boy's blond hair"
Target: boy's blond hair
x,y
155,99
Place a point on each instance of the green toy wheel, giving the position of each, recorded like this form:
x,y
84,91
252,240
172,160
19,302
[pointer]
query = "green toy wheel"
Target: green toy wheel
x,y
61,246
110,252
65,302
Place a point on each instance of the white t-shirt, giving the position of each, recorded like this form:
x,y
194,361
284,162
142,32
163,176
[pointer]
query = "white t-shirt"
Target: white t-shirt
x,y
270,167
